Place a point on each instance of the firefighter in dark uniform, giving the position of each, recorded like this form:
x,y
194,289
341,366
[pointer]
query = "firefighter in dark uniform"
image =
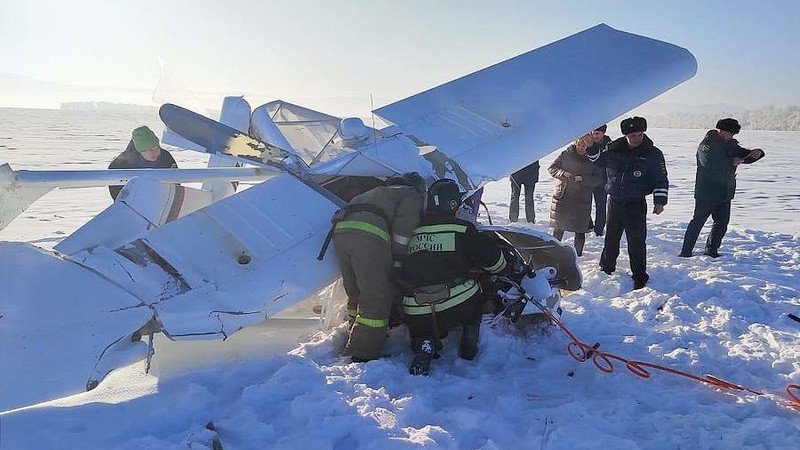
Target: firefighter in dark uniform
x,y
369,235
444,257
634,169
718,156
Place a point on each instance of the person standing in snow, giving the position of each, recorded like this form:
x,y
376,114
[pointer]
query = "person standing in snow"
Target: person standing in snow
x,y
143,152
370,235
527,177
718,156
439,276
576,177
599,144
634,168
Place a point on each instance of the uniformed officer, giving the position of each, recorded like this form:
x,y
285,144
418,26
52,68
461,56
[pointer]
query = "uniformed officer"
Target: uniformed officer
x,y
718,156
634,169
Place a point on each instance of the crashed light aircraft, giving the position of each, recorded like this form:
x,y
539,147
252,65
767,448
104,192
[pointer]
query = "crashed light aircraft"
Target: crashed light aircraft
x,y
204,263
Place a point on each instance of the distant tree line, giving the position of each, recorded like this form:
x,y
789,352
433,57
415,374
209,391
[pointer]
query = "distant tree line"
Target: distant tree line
x,y
786,118
107,107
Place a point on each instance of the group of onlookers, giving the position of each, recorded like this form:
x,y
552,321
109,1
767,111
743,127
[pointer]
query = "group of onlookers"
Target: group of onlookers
x,y
618,175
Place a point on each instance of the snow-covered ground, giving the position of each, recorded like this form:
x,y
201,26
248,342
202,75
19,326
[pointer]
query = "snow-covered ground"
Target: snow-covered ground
x,y
727,317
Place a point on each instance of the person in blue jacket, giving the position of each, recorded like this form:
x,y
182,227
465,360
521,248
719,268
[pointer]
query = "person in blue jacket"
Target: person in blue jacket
x,y
718,156
634,168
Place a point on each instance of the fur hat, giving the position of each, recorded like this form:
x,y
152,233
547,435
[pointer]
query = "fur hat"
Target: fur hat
x,y
633,125
730,125
144,139
602,128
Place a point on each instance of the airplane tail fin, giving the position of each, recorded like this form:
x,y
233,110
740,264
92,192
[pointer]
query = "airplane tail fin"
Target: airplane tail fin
x,y
16,196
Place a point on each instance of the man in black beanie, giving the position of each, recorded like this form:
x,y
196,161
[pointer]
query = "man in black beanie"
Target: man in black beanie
x,y
718,156
634,169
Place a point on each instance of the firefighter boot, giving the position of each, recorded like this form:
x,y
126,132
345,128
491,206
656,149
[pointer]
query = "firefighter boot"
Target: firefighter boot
x,y
366,343
421,364
468,346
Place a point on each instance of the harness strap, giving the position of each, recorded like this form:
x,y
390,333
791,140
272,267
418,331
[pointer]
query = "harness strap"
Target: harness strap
x,y
458,294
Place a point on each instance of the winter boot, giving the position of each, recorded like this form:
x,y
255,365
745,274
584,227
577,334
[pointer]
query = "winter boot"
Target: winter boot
x,y
421,364
640,282
468,346
365,343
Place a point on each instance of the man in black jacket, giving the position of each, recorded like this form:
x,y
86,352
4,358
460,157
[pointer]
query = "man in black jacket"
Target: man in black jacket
x,y
143,152
634,169
718,156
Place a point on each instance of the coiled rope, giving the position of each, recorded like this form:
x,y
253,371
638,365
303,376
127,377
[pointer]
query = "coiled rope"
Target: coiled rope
x,y
581,352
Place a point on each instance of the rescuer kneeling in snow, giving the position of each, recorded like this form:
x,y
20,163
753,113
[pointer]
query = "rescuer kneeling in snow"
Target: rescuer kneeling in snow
x,y
444,256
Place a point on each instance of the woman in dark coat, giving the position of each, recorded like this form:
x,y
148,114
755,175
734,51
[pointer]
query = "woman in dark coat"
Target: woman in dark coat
x,y
576,177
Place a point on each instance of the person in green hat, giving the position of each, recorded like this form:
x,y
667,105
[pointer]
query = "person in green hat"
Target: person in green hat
x,y
143,152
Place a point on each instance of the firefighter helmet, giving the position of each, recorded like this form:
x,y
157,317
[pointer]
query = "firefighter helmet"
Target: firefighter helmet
x,y
444,196
412,179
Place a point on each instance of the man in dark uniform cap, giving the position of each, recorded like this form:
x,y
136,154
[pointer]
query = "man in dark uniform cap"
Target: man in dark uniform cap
x,y
718,156
634,169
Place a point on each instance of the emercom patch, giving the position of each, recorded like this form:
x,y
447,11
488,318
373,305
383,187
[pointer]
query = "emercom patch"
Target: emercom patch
x,y
433,242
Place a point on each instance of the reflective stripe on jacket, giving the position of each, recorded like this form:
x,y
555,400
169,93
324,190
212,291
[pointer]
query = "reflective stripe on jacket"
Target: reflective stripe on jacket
x,y
458,295
445,251
401,206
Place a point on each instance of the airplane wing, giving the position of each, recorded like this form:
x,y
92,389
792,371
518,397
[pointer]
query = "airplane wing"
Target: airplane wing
x,y
499,119
20,188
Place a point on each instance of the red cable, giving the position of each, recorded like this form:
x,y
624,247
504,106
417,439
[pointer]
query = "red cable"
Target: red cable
x,y
581,352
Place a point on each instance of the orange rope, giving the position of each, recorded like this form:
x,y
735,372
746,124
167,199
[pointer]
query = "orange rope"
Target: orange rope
x,y
581,352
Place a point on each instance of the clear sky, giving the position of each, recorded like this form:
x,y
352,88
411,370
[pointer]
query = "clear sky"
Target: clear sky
x,y
748,52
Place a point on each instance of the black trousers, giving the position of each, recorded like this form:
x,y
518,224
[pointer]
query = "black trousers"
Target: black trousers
x,y
530,206
720,212
600,197
631,218
421,326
